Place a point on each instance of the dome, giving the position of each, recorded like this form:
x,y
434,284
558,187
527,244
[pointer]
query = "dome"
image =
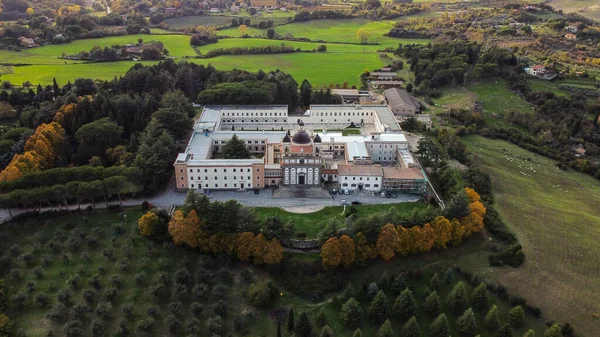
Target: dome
x,y
286,138
301,137
317,139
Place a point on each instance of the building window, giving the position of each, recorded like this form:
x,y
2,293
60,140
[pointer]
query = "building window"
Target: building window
x,y
182,185
198,170
233,170
216,178
191,170
181,178
206,185
205,178
225,185
191,178
224,170
353,185
345,178
225,178
353,178
234,178
367,178
344,184
192,185
248,170
215,170
368,185
181,170
205,170
360,178
248,177
376,185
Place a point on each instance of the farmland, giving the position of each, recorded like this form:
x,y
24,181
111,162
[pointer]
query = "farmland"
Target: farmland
x,y
555,215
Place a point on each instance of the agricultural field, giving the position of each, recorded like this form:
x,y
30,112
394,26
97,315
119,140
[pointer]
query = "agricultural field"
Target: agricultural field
x,y
192,21
555,216
95,274
312,223
555,86
587,8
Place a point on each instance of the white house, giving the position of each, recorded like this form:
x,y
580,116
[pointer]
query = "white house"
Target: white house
x,y
360,177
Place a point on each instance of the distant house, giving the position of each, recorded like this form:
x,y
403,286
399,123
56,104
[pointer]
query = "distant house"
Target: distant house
x,y
283,9
170,10
214,10
234,8
387,69
383,75
153,9
572,28
26,42
536,70
386,84
570,36
401,102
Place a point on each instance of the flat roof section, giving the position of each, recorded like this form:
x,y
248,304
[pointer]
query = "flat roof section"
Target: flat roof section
x,y
200,143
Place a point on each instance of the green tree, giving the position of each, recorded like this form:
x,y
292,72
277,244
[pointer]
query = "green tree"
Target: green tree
x,y
529,333
378,310
304,326
290,319
411,328
432,306
491,320
195,201
399,284
553,331
95,137
480,298
235,148
305,93
155,156
516,317
405,305
439,327
174,121
434,282
321,318
357,333
458,300
448,276
466,324
505,331
351,313
326,332
386,329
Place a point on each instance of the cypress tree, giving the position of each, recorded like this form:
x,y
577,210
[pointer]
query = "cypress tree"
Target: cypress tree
x,y
405,305
505,331
516,317
290,319
411,328
398,284
304,326
386,329
448,276
321,319
491,320
351,313
432,304
480,297
439,327
466,323
458,300
553,331
358,333
326,332
378,310
434,282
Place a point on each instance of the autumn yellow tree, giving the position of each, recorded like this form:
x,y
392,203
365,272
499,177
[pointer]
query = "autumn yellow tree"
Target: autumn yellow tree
x,y
259,247
473,222
185,230
222,243
428,238
363,36
387,241
403,247
416,239
244,245
30,11
331,253
443,231
147,222
458,231
362,248
273,253
347,249
243,29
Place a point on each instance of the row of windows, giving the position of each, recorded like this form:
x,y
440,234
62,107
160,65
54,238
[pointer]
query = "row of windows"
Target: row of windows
x,y
217,185
255,114
344,114
217,178
361,178
247,142
253,121
366,185
385,146
215,170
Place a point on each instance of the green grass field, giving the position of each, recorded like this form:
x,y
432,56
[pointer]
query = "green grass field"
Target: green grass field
x,y
497,100
192,21
555,215
312,223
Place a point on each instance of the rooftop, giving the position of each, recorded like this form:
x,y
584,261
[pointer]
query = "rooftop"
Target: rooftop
x,y
345,92
400,97
387,82
359,170
402,173
383,73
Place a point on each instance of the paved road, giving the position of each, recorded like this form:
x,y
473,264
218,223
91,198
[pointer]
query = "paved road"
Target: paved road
x,y
248,198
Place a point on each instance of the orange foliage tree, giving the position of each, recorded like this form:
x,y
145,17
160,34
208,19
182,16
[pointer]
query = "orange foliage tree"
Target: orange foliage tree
x,y
443,231
473,222
273,253
331,253
185,230
347,249
403,247
147,222
244,245
387,241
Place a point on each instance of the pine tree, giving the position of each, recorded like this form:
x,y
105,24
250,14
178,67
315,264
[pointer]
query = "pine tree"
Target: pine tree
x,y
553,331
466,323
351,313
432,304
378,310
529,333
411,328
516,317
405,305
358,333
398,284
235,148
386,329
480,297
384,281
439,327
491,320
290,319
448,276
435,282
505,331
326,332
304,326
321,319
458,301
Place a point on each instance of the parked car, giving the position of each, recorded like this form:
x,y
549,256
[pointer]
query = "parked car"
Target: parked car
x,y
207,192
341,192
346,192
394,195
383,194
345,202
334,191
356,202
256,191
388,195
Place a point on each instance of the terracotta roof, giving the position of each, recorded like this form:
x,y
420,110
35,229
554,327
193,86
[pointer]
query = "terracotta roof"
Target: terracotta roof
x,y
359,170
538,66
402,173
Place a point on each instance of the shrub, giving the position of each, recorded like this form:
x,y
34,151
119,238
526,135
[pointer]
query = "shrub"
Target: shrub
x,y
200,290
516,317
263,293
197,308
220,308
58,312
103,310
215,325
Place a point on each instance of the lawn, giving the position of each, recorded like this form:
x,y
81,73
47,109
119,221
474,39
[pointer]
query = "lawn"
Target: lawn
x,y
555,215
195,20
497,99
311,223
333,30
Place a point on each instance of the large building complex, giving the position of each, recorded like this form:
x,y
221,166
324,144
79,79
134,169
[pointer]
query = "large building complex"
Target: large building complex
x,y
306,150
